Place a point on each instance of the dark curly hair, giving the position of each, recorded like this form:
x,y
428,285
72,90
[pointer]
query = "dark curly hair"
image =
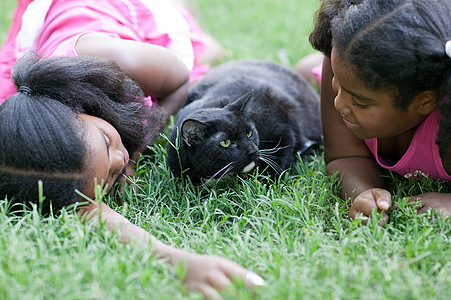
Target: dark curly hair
x,y
393,45
42,138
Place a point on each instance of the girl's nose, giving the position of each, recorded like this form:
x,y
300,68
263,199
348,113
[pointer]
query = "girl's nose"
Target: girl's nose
x,y
340,102
340,105
119,159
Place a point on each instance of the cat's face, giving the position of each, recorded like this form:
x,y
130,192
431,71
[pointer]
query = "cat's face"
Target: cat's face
x,y
225,144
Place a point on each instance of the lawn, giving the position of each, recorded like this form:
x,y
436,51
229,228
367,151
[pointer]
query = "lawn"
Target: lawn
x,y
294,232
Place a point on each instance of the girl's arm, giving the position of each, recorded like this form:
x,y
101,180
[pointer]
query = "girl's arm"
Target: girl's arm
x,y
433,200
348,155
157,70
205,273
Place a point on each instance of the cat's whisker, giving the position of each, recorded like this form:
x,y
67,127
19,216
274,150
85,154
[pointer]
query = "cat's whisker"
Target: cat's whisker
x,y
227,167
225,173
269,151
275,149
269,156
271,163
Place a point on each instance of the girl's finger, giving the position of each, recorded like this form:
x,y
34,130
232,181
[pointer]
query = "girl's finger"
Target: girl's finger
x,y
250,278
383,199
384,221
217,279
207,291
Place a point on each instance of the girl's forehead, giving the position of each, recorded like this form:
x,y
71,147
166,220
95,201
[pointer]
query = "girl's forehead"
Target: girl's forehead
x,y
342,66
98,157
350,80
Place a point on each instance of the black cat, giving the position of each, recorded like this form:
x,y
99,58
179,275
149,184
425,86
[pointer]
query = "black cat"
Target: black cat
x,y
241,115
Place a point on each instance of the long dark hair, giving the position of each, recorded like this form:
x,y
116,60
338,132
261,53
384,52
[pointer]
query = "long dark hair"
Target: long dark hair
x,y
394,45
42,137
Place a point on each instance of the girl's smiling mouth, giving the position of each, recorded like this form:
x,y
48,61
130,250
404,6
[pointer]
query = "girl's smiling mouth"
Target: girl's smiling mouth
x,y
350,125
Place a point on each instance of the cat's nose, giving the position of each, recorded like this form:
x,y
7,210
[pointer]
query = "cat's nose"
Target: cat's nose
x,y
253,151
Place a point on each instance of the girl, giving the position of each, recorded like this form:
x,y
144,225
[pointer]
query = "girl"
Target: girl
x,y
385,90
76,121
155,42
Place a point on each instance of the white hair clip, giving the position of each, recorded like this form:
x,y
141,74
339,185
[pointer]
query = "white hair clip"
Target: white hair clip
x,y
448,48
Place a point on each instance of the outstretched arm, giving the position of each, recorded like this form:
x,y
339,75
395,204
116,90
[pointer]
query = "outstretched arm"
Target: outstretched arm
x,y
158,71
348,155
205,273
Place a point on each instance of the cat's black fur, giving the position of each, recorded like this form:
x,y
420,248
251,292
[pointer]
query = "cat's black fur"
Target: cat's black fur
x,y
243,113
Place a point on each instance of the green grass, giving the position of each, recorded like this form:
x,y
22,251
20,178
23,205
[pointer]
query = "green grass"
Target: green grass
x,y
295,233
6,15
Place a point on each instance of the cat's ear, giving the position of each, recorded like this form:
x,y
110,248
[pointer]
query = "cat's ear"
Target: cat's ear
x,y
192,131
240,103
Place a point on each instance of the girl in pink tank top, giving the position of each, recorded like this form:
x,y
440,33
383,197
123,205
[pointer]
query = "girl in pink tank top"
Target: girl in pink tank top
x,y
385,85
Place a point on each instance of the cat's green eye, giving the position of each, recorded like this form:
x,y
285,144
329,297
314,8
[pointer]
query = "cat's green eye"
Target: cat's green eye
x,y
249,134
225,143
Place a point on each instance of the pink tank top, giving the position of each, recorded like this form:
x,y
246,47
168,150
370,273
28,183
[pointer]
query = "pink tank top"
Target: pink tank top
x,y
52,28
422,157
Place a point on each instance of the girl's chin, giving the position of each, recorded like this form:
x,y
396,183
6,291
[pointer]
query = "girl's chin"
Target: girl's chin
x,y
361,135
356,130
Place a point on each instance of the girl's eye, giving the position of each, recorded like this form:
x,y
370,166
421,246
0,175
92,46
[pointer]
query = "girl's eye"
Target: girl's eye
x,y
225,143
107,139
249,134
107,143
358,104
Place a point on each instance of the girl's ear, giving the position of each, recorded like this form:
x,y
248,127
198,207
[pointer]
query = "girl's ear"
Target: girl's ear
x,y
426,101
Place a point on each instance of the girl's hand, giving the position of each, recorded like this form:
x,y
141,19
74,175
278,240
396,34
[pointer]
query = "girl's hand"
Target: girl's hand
x,y
438,201
204,273
366,202
208,274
